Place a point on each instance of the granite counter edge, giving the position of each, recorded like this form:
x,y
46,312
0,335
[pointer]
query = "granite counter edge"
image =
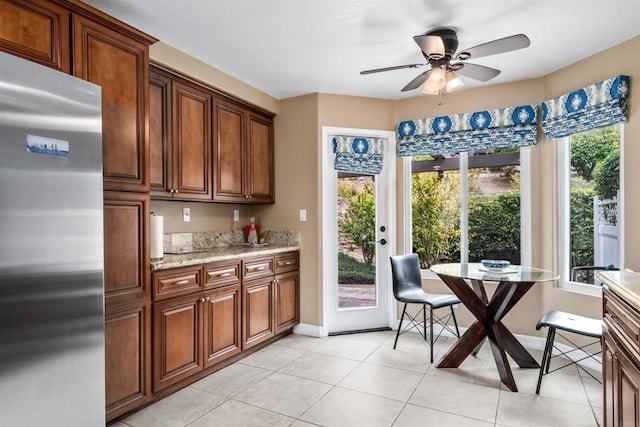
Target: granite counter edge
x,y
216,254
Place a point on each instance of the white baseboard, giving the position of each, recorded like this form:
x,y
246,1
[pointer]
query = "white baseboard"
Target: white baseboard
x,y
310,330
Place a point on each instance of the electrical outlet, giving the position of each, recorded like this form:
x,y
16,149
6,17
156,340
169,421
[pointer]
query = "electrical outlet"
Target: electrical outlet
x,y
303,215
236,215
186,214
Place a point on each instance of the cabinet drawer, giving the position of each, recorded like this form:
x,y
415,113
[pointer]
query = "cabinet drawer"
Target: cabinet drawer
x,y
622,317
221,273
257,267
178,281
287,262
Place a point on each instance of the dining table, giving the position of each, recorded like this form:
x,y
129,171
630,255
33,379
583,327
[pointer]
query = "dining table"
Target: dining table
x,y
467,281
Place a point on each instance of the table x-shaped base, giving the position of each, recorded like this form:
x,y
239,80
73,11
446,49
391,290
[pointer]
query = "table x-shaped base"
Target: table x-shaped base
x,y
489,316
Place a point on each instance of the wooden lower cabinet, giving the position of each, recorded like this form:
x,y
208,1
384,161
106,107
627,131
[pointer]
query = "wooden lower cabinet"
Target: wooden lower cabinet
x,y
177,340
287,300
207,316
621,362
257,311
222,323
127,358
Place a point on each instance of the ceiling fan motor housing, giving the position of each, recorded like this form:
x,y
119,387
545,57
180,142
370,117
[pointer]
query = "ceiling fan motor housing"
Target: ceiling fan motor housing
x,y
449,40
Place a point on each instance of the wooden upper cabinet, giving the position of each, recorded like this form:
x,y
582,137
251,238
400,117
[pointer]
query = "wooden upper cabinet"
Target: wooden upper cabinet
x,y
179,138
126,253
260,167
38,32
243,155
120,65
229,152
191,142
160,135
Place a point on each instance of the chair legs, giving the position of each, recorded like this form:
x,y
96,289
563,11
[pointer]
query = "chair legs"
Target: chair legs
x,y
423,331
546,357
404,310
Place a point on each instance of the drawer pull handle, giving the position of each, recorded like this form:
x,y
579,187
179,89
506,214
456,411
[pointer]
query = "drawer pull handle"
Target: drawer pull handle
x,y
182,282
288,263
262,267
225,274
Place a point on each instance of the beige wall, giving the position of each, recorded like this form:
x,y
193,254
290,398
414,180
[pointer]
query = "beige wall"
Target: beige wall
x,y
297,187
298,166
177,60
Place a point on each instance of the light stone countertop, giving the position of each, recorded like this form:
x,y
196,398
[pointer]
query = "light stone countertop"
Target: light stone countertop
x,y
625,284
217,254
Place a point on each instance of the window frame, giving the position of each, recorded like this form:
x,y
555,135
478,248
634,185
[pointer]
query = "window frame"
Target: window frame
x,y
525,208
564,216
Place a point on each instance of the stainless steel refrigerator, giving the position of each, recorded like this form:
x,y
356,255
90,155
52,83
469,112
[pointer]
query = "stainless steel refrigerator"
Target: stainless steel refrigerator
x,y
51,252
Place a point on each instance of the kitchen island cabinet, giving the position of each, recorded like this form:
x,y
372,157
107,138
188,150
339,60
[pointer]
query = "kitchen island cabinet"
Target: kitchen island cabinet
x,y
621,348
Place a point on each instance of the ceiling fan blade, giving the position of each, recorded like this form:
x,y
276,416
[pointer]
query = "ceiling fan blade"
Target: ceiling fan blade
x,y
507,44
478,72
430,45
395,67
417,82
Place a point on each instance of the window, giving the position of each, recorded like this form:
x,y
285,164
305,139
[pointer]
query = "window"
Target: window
x,y
467,207
590,175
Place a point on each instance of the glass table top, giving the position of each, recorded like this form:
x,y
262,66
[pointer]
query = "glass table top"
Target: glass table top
x,y
513,273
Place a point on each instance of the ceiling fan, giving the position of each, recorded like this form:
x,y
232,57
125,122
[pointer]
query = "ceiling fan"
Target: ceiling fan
x,y
439,49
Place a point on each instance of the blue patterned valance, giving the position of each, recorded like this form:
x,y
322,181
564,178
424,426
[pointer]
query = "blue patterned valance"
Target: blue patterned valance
x,y
505,127
599,105
358,154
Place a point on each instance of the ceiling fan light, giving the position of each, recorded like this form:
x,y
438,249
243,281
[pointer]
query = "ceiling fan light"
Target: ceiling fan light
x,y
454,81
436,80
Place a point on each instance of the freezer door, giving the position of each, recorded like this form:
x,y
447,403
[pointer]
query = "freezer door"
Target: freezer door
x,y
51,252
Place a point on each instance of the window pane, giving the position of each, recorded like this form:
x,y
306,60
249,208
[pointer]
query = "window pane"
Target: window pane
x,y
493,207
435,209
494,212
356,242
594,185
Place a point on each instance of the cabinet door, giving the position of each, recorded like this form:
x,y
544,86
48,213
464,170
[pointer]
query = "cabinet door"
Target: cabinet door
x,y
177,340
260,182
287,295
609,373
222,320
120,66
126,253
628,388
127,340
191,142
257,311
229,153
37,31
160,136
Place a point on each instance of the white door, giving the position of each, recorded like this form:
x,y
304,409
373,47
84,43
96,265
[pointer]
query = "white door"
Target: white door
x,y
356,285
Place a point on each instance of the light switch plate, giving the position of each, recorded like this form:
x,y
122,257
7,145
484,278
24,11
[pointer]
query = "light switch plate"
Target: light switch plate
x,y
303,215
186,214
236,215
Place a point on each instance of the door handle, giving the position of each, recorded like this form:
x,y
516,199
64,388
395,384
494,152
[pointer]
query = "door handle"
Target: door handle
x,y
382,242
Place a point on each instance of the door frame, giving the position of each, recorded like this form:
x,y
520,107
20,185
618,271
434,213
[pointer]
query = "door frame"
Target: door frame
x,y
328,225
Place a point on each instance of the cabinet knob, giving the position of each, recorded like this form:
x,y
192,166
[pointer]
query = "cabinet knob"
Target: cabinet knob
x,y
202,299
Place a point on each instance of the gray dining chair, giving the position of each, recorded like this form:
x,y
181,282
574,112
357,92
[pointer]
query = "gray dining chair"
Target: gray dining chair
x,y
407,288
560,320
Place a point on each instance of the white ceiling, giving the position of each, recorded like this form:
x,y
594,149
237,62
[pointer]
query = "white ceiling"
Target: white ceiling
x,y
294,47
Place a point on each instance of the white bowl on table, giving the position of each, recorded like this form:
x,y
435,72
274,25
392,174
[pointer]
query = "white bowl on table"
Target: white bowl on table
x,y
495,264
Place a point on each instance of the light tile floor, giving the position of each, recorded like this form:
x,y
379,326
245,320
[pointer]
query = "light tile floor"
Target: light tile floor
x,y
359,380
